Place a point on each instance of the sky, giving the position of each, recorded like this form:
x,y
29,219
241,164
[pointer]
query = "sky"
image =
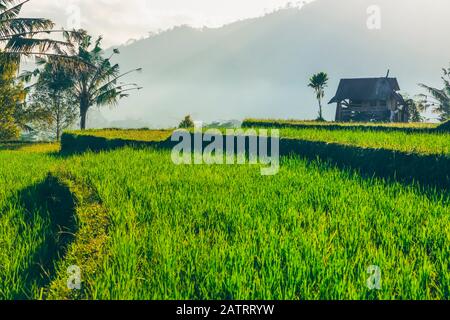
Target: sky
x,y
119,21
415,25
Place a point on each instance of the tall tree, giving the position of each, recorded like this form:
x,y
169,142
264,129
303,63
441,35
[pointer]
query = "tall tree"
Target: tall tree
x,y
52,97
440,98
99,85
15,113
319,82
11,96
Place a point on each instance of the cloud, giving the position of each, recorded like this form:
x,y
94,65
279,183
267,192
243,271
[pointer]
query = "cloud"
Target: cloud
x,y
119,21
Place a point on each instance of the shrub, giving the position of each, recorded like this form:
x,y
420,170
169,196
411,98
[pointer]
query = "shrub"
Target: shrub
x,y
187,123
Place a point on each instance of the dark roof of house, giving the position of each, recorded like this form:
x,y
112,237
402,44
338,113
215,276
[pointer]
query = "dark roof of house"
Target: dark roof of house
x,y
367,89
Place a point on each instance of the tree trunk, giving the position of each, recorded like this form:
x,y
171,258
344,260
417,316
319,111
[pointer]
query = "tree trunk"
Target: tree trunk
x,y
83,120
58,133
320,110
84,106
58,118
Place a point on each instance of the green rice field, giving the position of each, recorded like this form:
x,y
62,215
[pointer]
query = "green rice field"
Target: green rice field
x,y
437,143
420,143
145,228
343,125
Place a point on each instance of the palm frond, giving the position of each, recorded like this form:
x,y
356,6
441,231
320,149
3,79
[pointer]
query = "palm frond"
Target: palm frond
x,y
26,36
115,79
112,97
438,94
10,9
441,99
19,44
25,27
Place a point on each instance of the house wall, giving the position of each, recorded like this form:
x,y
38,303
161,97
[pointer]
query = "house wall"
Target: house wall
x,y
382,112
365,112
392,104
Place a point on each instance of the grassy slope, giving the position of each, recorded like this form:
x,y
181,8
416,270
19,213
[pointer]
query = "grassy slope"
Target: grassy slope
x,y
422,143
23,228
184,232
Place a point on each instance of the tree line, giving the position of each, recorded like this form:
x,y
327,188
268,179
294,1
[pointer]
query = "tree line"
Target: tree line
x,y
71,75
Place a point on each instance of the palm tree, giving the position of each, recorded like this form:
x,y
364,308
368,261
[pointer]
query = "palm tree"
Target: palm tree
x,y
29,36
441,97
98,86
94,79
319,82
416,106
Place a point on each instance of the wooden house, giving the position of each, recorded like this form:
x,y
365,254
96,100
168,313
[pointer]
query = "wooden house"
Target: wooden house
x,y
370,100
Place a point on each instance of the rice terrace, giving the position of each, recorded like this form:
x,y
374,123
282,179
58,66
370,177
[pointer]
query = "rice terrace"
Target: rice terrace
x,y
351,204
132,218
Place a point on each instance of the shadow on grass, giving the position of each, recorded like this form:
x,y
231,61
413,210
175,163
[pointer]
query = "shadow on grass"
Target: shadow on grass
x,y
428,172
424,171
54,203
